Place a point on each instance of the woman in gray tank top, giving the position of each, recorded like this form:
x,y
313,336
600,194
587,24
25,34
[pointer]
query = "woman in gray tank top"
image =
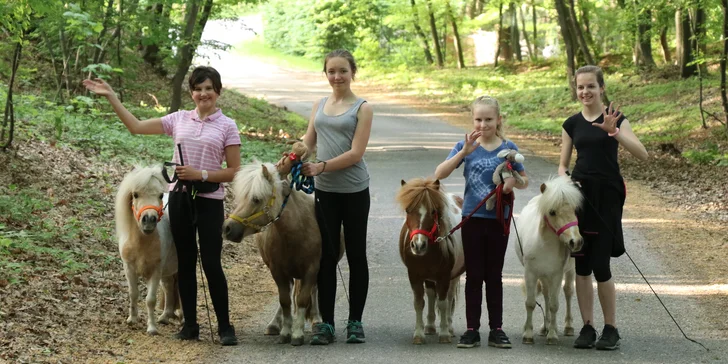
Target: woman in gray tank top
x,y
339,130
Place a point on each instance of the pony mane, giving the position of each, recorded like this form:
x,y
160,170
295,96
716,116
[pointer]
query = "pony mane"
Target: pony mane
x,y
144,179
250,181
422,191
559,191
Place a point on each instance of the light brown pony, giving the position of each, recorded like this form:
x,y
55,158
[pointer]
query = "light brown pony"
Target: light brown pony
x,y
145,243
289,242
435,263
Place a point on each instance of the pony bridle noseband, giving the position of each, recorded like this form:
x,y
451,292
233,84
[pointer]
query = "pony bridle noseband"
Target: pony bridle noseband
x,y
563,228
138,213
431,238
248,221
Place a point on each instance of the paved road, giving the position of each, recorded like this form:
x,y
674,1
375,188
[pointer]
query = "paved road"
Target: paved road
x,y
407,143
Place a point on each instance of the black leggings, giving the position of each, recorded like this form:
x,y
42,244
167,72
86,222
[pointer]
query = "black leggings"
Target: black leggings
x,y
351,210
210,217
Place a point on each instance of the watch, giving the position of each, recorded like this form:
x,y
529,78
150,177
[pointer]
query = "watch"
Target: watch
x,y
204,175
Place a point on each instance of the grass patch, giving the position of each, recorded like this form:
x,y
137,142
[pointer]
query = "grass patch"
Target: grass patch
x,y
257,48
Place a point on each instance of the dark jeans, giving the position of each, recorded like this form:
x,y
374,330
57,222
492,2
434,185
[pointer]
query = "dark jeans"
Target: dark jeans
x,y
484,246
351,210
210,217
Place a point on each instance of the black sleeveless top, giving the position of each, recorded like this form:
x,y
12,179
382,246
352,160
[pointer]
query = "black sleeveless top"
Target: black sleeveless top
x,y
597,169
596,151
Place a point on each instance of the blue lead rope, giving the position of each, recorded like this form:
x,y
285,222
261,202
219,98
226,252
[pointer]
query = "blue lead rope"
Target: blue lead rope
x,y
301,182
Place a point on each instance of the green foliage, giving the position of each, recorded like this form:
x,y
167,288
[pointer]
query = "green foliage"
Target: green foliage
x,y
710,154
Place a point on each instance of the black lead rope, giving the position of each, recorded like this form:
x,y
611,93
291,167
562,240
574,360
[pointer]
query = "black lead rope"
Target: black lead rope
x,y
606,226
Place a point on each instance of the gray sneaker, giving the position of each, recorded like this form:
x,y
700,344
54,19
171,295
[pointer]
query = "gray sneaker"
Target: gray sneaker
x,y
609,339
354,332
323,334
587,337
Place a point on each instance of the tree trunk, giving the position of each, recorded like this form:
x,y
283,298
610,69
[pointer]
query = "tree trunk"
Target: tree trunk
x,y
479,6
678,38
106,23
665,47
644,31
567,37
499,34
587,30
525,34
456,35
421,33
686,68
579,34
515,33
433,32
535,33
699,46
723,98
7,131
186,53
151,51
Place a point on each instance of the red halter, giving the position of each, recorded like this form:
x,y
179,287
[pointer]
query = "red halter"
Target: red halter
x,y
429,234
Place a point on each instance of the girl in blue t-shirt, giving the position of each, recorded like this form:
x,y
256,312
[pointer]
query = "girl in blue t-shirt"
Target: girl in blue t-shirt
x,y
485,238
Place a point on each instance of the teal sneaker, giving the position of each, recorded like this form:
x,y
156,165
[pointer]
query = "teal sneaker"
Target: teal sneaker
x,y
354,332
323,334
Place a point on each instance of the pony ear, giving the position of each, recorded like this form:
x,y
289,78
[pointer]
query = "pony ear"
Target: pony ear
x,y
437,184
543,187
402,183
266,174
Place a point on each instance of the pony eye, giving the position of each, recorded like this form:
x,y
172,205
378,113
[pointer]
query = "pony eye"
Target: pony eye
x,y
135,195
161,196
256,200
552,213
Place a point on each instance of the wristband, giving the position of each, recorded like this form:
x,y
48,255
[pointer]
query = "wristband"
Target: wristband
x,y
204,175
616,131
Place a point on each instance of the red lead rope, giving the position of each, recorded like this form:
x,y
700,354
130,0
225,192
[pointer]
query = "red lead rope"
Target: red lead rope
x,y
500,200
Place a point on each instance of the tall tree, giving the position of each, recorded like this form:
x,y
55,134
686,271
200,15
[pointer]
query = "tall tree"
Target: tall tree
x,y
567,36
186,53
644,35
499,36
456,36
433,32
578,34
724,55
420,33
525,34
686,55
515,33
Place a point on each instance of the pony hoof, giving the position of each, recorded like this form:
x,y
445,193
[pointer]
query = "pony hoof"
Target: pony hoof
x,y
543,332
568,331
152,331
552,341
272,331
131,320
297,341
445,339
527,340
163,320
418,340
430,330
284,339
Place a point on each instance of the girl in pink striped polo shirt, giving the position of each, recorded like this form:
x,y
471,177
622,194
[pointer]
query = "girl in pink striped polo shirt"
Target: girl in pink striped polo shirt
x,y
208,138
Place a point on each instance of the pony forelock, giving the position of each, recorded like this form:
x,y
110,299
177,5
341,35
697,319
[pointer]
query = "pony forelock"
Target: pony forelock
x,y
560,191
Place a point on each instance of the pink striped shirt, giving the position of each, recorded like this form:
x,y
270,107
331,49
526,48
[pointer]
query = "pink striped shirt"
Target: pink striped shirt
x,y
203,141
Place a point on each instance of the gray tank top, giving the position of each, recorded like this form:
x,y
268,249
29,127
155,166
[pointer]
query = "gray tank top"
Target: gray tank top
x,y
334,135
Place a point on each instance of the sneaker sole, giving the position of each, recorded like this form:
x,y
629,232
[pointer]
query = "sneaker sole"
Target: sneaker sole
x,y
355,340
615,347
468,346
500,346
590,346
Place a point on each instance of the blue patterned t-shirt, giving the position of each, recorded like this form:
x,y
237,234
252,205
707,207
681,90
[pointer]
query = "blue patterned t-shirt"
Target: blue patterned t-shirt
x,y
478,173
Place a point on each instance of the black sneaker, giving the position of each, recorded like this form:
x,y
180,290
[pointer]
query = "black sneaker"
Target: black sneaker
x,y
188,332
470,339
227,336
499,339
323,334
609,339
354,332
587,337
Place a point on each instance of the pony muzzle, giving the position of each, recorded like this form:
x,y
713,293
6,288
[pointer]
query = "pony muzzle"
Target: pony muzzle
x,y
573,239
418,244
233,231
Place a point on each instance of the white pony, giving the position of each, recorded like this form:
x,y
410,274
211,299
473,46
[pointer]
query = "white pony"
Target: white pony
x,y
549,232
145,243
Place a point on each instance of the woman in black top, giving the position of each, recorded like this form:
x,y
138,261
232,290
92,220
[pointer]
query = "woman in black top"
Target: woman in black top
x,y
596,132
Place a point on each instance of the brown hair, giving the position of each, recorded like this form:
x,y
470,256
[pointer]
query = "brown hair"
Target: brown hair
x,y
591,69
490,101
202,73
343,53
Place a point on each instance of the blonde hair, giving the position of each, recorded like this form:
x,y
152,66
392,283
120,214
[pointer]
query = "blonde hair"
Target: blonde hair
x,y
490,101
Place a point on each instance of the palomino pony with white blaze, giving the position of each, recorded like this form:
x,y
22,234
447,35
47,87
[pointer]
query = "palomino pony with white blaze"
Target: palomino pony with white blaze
x,y
288,238
549,233
145,243
434,263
